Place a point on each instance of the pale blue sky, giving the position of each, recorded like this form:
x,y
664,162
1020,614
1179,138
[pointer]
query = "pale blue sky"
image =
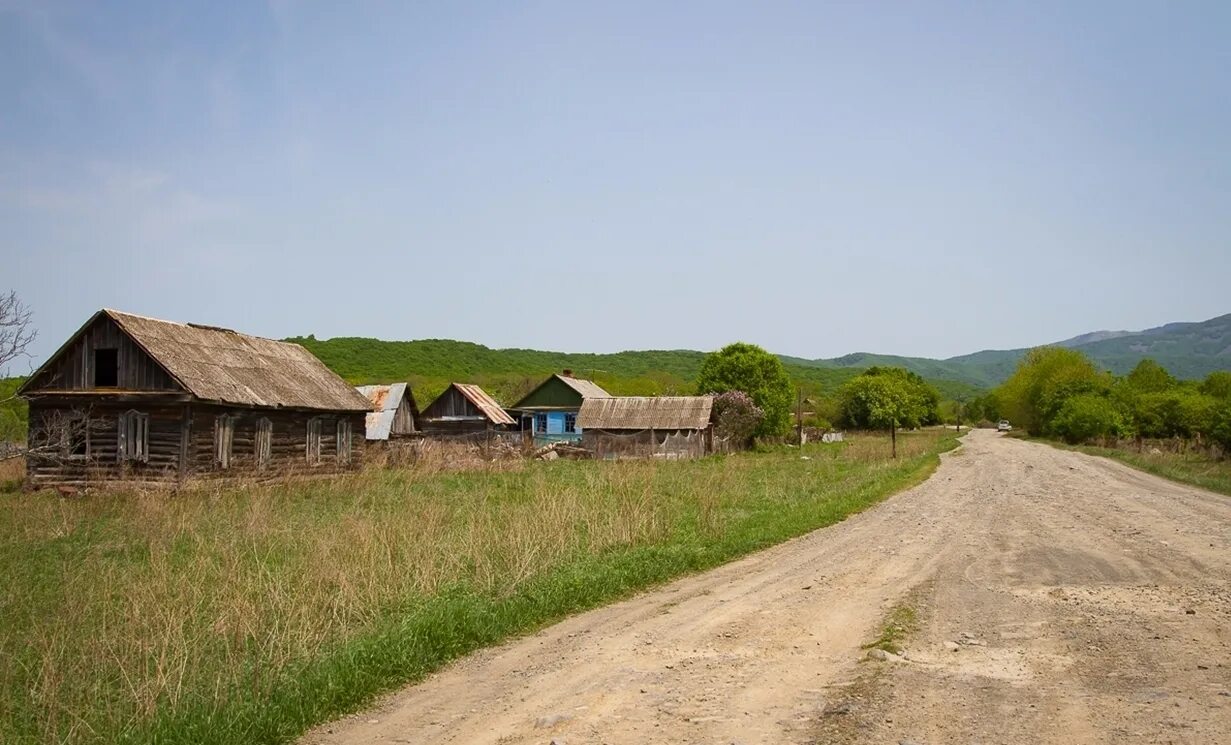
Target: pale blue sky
x,y
819,178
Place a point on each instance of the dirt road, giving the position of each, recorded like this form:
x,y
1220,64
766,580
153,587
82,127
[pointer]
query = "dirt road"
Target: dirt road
x,y
1060,598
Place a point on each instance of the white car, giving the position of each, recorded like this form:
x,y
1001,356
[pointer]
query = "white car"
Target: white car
x,y
1004,426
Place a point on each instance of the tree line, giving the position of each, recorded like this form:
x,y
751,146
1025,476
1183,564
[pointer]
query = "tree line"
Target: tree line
x,y
1059,392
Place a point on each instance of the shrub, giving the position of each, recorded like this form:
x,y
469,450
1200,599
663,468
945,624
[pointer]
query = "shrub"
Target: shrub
x,y
1087,417
737,416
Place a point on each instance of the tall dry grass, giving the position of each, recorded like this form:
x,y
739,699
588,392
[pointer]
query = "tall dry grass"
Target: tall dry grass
x,y
122,611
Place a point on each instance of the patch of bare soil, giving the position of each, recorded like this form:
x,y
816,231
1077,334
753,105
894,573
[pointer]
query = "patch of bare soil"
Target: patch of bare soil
x,y
1059,598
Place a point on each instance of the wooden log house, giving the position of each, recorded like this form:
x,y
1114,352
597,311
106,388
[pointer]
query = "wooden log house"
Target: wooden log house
x,y
137,399
464,408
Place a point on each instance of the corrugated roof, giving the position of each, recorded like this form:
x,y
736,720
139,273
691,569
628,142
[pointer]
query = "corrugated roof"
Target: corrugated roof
x,y
226,366
485,403
385,400
587,388
646,412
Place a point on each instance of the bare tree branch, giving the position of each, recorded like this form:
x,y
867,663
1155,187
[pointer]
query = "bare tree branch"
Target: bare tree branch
x,y
16,333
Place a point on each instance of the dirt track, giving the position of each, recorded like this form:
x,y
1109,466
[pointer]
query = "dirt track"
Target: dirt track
x,y
1061,599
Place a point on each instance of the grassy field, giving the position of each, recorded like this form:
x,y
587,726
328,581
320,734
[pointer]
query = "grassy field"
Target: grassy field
x,y
245,615
1188,468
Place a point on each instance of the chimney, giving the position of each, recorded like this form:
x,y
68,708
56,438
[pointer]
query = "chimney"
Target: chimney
x,y
568,373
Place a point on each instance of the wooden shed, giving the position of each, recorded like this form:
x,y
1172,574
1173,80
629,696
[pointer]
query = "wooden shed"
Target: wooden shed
x,y
139,399
393,414
550,410
647,426
464,408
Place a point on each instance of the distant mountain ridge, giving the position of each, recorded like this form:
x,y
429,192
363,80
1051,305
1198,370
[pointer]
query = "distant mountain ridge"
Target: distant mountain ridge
x,y
1189,350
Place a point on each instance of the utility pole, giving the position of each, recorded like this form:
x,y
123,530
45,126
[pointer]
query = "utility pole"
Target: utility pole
x,y
799,416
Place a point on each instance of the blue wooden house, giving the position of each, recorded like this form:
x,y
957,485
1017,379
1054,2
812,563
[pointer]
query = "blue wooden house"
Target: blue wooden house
x,y
550,410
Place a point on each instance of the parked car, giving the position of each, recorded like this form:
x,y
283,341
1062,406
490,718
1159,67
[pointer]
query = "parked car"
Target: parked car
x,y
1004,426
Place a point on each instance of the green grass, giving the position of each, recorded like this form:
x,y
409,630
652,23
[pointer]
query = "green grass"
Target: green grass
x,y
1187,468
246,615
899,624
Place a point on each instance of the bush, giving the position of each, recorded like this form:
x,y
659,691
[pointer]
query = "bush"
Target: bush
x,y
1220,429
1087,417
1045,379
736,416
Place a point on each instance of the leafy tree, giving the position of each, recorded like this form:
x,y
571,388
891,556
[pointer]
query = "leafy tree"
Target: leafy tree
x,y
1044,379
1218,385
888,398
1088,416
749,368
1150,377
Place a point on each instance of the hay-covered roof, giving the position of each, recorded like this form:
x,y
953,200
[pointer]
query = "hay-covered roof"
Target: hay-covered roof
x,y
226,366
646,412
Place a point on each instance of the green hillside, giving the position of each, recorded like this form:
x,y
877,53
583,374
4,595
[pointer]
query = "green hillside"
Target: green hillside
x,y
1188,351
431,364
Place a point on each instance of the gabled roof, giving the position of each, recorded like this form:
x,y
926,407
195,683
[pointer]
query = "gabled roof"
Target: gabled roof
x,y
646,412
584,388
587,388
483,402
385,400
224,366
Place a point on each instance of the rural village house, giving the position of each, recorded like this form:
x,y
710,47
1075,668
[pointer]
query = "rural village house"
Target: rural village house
x,y
394,412
140,399
550,410
464,408
647,426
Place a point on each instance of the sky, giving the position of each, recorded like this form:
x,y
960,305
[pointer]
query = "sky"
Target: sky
x,y
925,179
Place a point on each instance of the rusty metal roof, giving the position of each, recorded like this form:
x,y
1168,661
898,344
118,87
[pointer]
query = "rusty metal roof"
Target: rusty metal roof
x,y
484,403
386,398
225,366
646,412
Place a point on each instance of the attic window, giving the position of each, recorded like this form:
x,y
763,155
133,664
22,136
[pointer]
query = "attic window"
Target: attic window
x,y
106,368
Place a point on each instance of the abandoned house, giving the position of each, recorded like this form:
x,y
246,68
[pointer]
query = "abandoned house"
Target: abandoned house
x,y
647,426
143,400
464,408
550,410
394,413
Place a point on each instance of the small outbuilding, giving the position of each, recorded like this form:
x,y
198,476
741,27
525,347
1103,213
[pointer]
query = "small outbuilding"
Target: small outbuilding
x,y
464,408
393,414
137,399
647,426
550,410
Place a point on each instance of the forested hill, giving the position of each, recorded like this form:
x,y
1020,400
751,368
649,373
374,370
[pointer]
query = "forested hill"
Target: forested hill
x,y
1188,351
431,364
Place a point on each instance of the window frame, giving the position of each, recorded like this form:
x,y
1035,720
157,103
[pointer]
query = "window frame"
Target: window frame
x,y
344,433
224,440
312,442
115,370
263,439
540,417
570,423
133,437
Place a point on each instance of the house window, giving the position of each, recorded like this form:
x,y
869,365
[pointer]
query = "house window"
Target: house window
x,y
134,437
540,423
106,368
314,441
344,440
570,423
74,435
224,439
264,441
